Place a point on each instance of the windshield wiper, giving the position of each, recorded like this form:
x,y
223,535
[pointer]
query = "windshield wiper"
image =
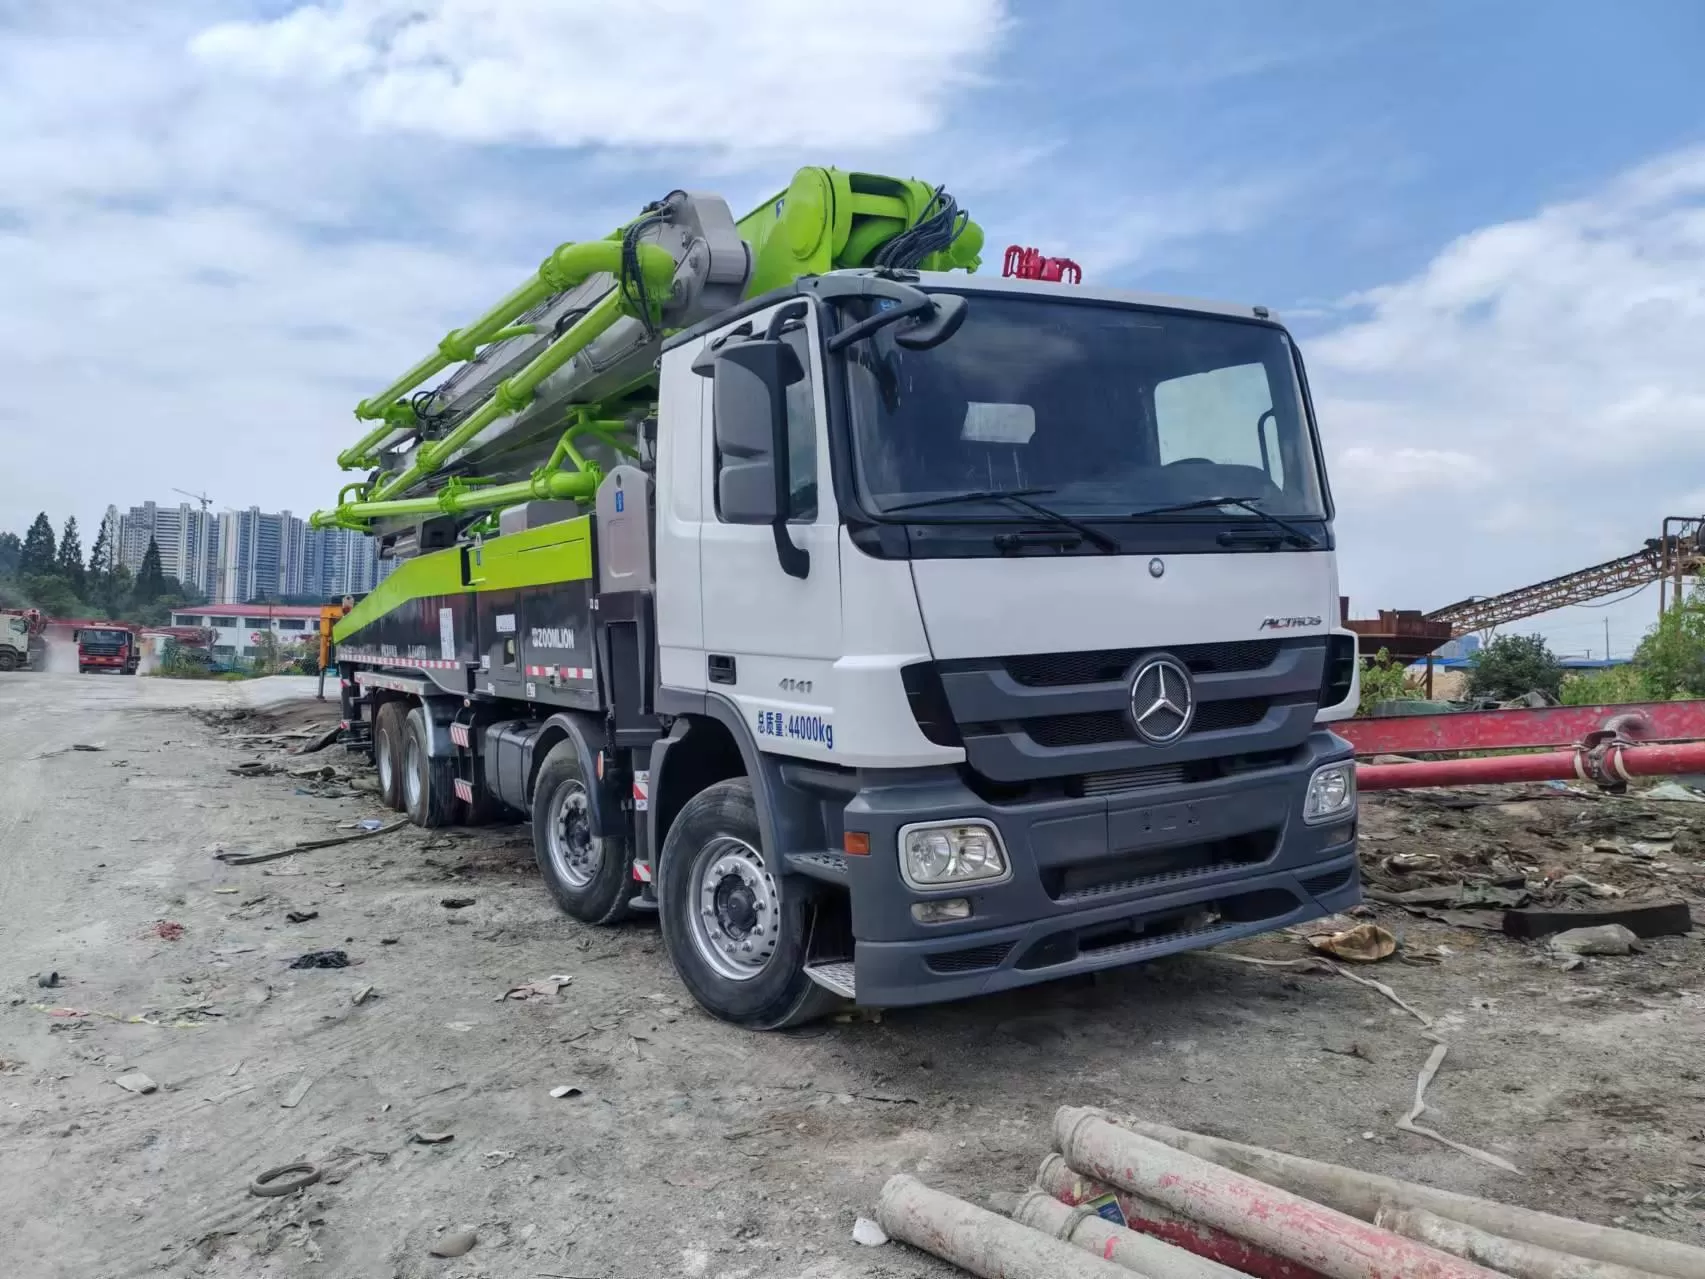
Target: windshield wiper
x,y
1020,498
1291,533
975,495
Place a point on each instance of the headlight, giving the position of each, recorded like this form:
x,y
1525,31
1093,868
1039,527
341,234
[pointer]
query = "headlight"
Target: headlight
x,y
1331,791
938,855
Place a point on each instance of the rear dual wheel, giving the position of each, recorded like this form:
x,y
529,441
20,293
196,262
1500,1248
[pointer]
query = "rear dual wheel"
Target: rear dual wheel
x,y
388,753
428,783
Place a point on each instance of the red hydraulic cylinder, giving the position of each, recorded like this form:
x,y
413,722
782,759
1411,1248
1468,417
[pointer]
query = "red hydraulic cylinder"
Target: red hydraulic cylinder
x,y
1615,762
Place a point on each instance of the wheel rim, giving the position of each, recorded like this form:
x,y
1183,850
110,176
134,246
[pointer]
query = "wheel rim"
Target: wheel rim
x,y
575,855
412,771
736,909
386,762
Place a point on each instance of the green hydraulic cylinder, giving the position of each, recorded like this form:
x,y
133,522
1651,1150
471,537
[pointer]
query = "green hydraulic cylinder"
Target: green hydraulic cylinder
x,y
457,499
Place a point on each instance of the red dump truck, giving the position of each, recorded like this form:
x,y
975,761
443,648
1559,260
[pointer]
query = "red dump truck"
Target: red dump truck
x,y
108,648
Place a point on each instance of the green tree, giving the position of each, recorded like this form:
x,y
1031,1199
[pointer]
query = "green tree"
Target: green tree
x,y
1383,679
1671,659
1514,665
100,555
36,556
112,593
1608,687
68,563
150,578
11,551
53,595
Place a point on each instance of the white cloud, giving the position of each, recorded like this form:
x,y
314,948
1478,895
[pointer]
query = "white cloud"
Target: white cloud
x,y
1530,402
206,267
739,74
1382,472
216,236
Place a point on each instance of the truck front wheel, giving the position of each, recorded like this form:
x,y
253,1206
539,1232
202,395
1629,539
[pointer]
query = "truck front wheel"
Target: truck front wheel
x,y
735,932
429,785
590,877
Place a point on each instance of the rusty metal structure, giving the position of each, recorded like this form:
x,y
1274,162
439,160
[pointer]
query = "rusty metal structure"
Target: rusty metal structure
x,y
1677,554
1406,634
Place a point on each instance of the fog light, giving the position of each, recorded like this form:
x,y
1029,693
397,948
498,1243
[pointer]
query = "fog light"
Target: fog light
x,y
942,911
1331,792
945,853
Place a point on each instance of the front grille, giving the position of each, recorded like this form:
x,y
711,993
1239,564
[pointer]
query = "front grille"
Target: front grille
x,y
1145,868
1096,728
1118,886
1331,882
968,961
1079,730
1118,781
1105,666
1237,712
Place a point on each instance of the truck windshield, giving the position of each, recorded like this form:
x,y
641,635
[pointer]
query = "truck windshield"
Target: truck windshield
x,y
1110,410
105,637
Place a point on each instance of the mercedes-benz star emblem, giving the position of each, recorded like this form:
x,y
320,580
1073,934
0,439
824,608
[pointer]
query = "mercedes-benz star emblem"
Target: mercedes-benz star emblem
x,y
1162,700
1157,567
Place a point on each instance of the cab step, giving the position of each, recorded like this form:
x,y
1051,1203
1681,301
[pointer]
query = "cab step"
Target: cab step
x,y
836,976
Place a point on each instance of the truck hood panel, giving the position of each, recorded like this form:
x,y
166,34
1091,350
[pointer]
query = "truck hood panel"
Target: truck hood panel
x,y
1060,603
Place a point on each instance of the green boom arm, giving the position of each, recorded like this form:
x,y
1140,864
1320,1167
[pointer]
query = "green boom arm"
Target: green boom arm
x,y
826,219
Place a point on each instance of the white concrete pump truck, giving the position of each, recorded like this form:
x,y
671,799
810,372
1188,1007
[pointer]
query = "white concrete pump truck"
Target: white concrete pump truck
x,y
896,634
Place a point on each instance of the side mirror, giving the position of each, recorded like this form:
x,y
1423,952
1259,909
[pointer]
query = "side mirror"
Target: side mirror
x,y
750,415
934,326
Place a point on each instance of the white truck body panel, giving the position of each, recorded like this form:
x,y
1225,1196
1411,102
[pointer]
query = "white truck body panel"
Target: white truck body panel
x,y
1050,604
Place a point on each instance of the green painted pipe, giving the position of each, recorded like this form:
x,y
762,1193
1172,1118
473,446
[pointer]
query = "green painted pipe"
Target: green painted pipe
x,y
509,396
577,486
569,265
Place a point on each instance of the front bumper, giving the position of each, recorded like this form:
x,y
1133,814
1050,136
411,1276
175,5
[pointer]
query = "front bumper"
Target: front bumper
x,y
1095,882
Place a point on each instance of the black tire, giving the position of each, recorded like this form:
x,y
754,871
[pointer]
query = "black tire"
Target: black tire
x,y
718,823
8,660
590,877
485,810
429,785
388,753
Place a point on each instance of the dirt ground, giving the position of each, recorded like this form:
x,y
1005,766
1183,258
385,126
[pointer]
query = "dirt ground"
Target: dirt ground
x,y
692,1148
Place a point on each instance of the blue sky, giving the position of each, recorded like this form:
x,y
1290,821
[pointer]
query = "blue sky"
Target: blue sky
x,y
221,224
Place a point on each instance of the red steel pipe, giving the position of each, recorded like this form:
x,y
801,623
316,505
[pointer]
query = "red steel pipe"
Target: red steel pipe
x,y
1144,1216
1339,1246
1536,729
1614,762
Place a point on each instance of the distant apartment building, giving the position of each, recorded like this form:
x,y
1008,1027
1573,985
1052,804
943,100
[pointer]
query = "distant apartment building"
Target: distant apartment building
x,y
188,538
253,555
343,562
261,556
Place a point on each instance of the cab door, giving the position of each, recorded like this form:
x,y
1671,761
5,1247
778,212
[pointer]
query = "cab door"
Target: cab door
x,y
772,637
